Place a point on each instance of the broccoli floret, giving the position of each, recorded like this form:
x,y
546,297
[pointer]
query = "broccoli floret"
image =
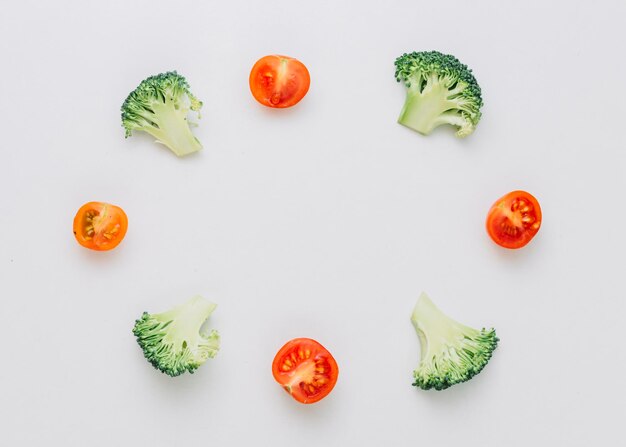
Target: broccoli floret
x,y
451,352
172,340
440,90
160,106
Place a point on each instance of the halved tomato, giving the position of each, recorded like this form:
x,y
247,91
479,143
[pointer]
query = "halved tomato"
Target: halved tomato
x,y
514,219
279,81
100,226
305,369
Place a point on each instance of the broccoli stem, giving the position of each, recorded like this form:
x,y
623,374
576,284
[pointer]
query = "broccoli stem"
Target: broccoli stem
x,y
173,129
422,110
189,315
434,328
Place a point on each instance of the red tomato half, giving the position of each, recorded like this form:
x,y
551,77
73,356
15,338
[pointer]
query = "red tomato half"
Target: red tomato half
x,y
279,81
100,226
514,219
305,369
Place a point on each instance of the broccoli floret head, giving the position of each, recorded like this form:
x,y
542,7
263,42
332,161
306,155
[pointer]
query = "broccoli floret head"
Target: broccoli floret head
x,y
440,90
160,106
451,352
172,341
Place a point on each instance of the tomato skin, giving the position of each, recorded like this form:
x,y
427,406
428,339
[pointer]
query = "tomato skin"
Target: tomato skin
x,y
514,219
305,369
100,226
279,81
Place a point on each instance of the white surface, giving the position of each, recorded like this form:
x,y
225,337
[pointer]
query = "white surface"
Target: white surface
x,y
326,220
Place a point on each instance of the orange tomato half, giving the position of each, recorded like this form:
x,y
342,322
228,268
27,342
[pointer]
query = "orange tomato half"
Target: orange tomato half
x,y
100,226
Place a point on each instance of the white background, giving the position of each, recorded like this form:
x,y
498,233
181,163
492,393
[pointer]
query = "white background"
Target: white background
x,y
325,220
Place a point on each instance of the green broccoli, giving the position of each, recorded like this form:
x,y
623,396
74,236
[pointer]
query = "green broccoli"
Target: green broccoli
x,y
451,352
440,90
172,340
160,106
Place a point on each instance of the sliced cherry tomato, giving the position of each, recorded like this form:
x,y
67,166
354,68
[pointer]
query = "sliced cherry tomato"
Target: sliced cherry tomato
x,y
279,81
305,369
514,219
100,226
